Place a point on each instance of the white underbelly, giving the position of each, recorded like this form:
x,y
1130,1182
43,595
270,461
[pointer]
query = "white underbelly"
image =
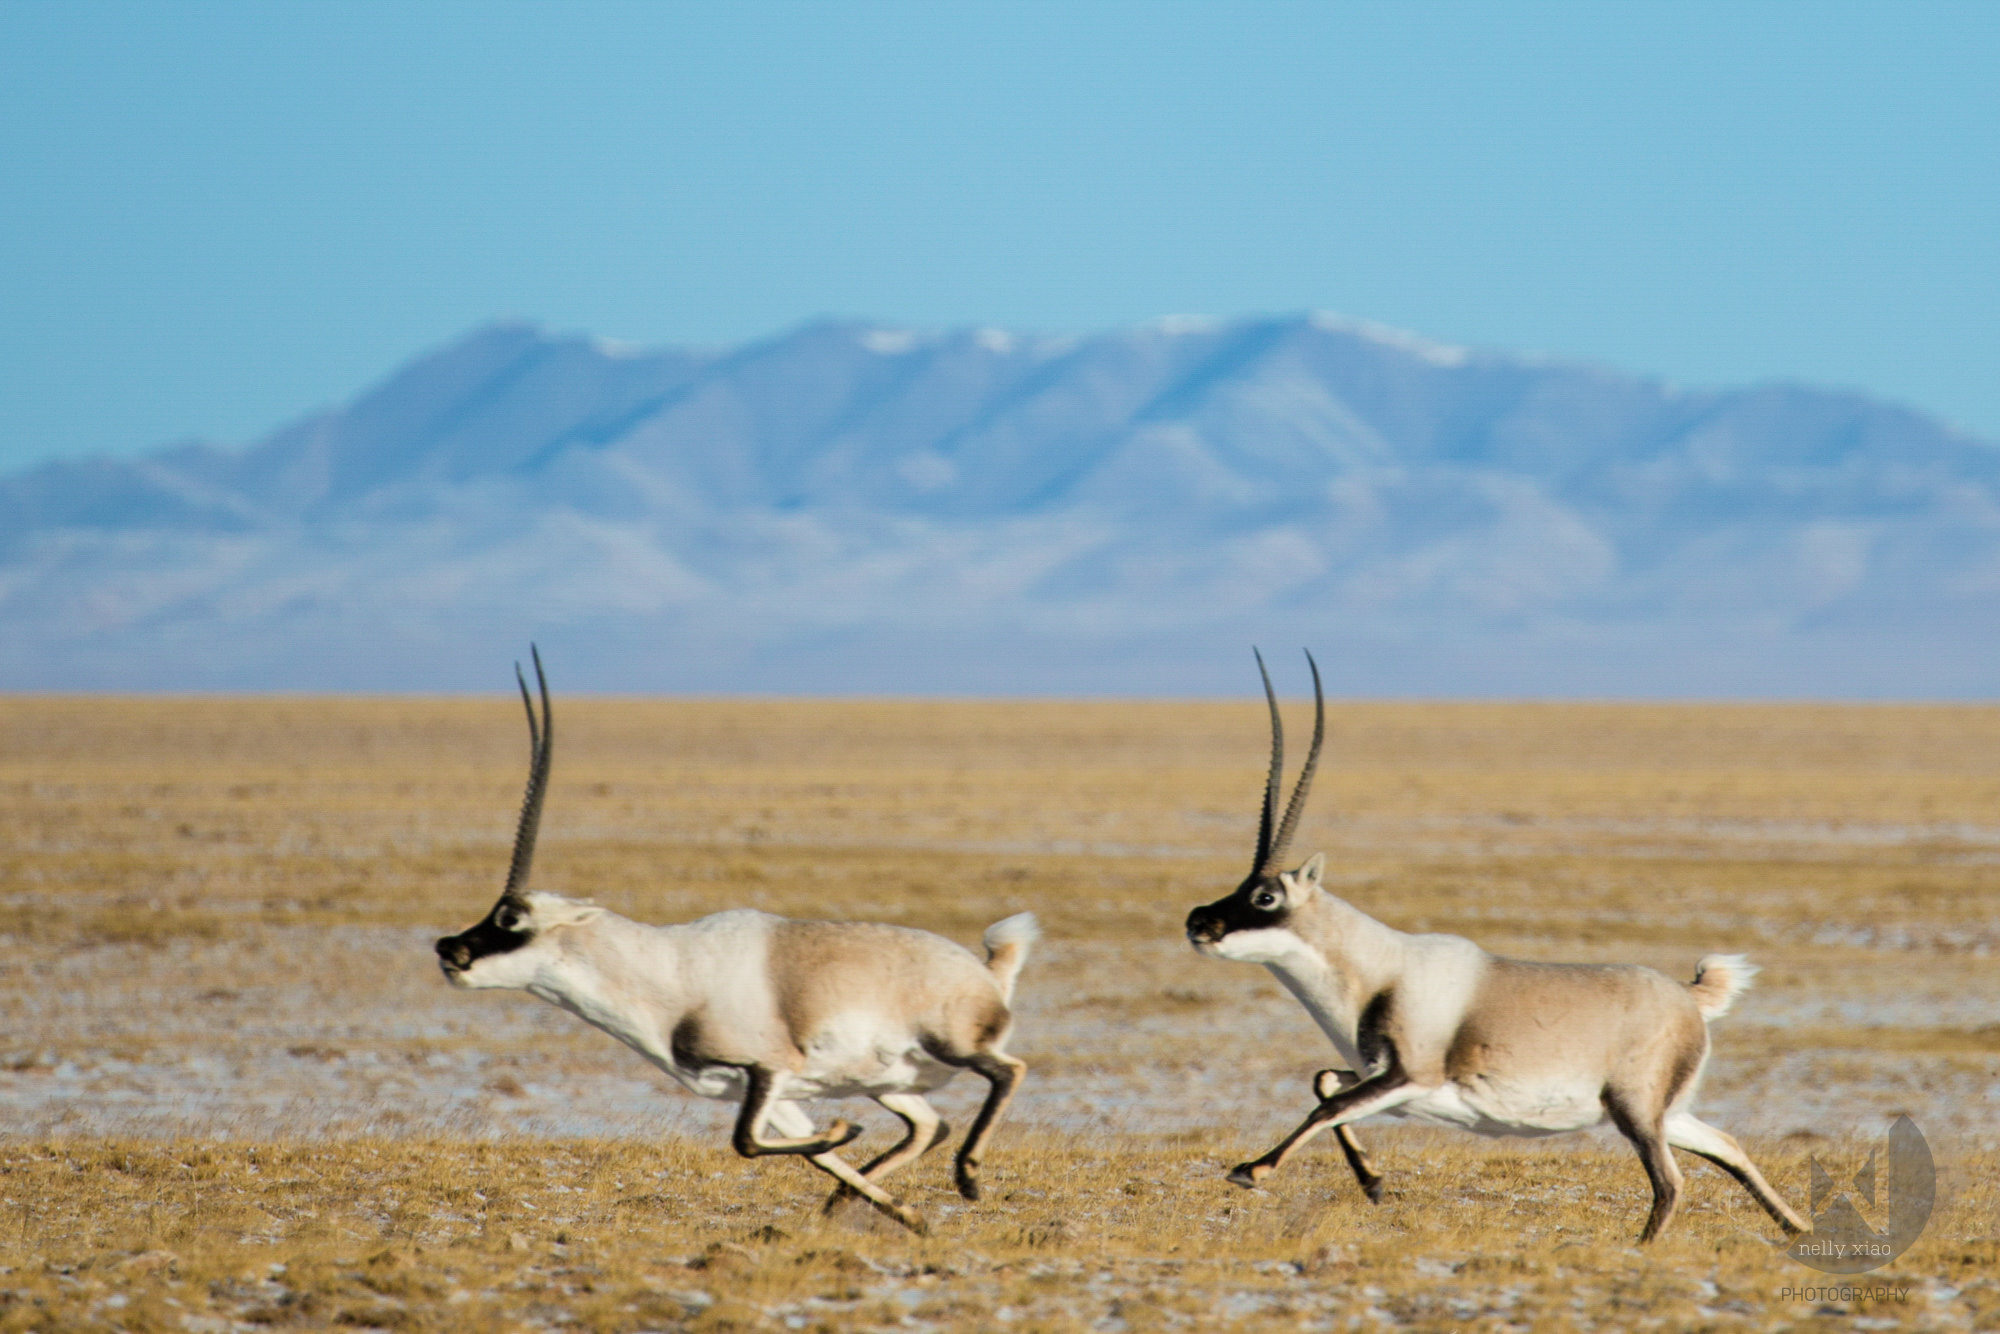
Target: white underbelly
x,y
1486,1109
861,1055
833,1069
894,1077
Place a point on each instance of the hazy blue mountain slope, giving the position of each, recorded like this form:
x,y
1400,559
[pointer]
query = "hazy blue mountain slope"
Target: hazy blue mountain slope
x,y
852,507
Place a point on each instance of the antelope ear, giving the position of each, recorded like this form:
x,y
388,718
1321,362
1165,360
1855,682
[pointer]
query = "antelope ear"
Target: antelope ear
x,y
1303,883
552,910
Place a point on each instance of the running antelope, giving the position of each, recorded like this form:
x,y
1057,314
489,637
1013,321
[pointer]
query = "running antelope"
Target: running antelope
x,y
751,1008
1434,1029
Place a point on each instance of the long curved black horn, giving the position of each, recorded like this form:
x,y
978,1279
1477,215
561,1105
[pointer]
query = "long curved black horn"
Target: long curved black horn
x,y
541,738
1296,807
1264,826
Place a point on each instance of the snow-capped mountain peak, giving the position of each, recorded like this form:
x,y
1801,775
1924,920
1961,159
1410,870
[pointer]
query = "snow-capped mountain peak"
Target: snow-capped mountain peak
x,y
859,506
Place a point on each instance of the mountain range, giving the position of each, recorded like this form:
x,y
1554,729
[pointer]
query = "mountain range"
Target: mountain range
x,y
855,508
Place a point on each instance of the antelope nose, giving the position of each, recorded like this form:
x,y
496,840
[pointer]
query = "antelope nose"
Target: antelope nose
x,y
1202,924
452,951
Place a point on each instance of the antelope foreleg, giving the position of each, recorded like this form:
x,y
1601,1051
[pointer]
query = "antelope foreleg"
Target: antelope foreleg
x,y
758,1103
1372,1095
1325,1084
926,1130
793,1120
1364,1171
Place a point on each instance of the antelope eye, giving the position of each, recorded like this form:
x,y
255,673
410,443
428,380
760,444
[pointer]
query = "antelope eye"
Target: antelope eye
x,y
507,919
1265,898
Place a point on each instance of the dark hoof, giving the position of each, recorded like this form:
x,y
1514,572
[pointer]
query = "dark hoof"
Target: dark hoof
x,y
968,1188
1373,1190
1244,1175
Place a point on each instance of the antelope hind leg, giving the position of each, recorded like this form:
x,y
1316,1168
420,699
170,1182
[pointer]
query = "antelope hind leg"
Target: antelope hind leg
x,y
1003,1073
1649,1138
1698,1137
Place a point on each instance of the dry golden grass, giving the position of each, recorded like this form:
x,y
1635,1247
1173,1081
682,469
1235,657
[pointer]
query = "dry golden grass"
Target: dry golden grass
x,y
1131,1234
226,1048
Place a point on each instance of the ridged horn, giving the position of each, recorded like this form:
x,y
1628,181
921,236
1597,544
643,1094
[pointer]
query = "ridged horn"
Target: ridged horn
x,y
541,737
1276,776
1296,807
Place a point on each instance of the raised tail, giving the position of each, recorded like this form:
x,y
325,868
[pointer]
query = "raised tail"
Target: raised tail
x,y
1007,943
1718,980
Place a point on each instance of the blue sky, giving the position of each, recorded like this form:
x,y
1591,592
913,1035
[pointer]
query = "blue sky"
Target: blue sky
x,y
219,215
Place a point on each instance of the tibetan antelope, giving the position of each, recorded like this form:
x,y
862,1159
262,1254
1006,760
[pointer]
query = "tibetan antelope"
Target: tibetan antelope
x,y
1434,1029
751,1008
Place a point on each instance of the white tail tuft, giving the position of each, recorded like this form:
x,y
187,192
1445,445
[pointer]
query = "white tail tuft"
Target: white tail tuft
x,y
1718,980
1007,943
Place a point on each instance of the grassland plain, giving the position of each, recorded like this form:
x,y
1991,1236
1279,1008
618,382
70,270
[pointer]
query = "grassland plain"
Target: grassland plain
x,y
236,1093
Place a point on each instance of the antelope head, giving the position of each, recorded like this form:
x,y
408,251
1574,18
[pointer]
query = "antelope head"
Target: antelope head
x,y
499,950
1252,923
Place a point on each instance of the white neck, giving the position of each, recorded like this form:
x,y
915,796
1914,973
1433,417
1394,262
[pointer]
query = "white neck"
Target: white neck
x,y
1337,959
594,974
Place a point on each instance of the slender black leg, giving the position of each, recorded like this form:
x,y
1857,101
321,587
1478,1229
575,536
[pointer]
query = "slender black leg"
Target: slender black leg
x,y
1325,1084
1649,1138
756,1102
1351,1104
1003,1073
